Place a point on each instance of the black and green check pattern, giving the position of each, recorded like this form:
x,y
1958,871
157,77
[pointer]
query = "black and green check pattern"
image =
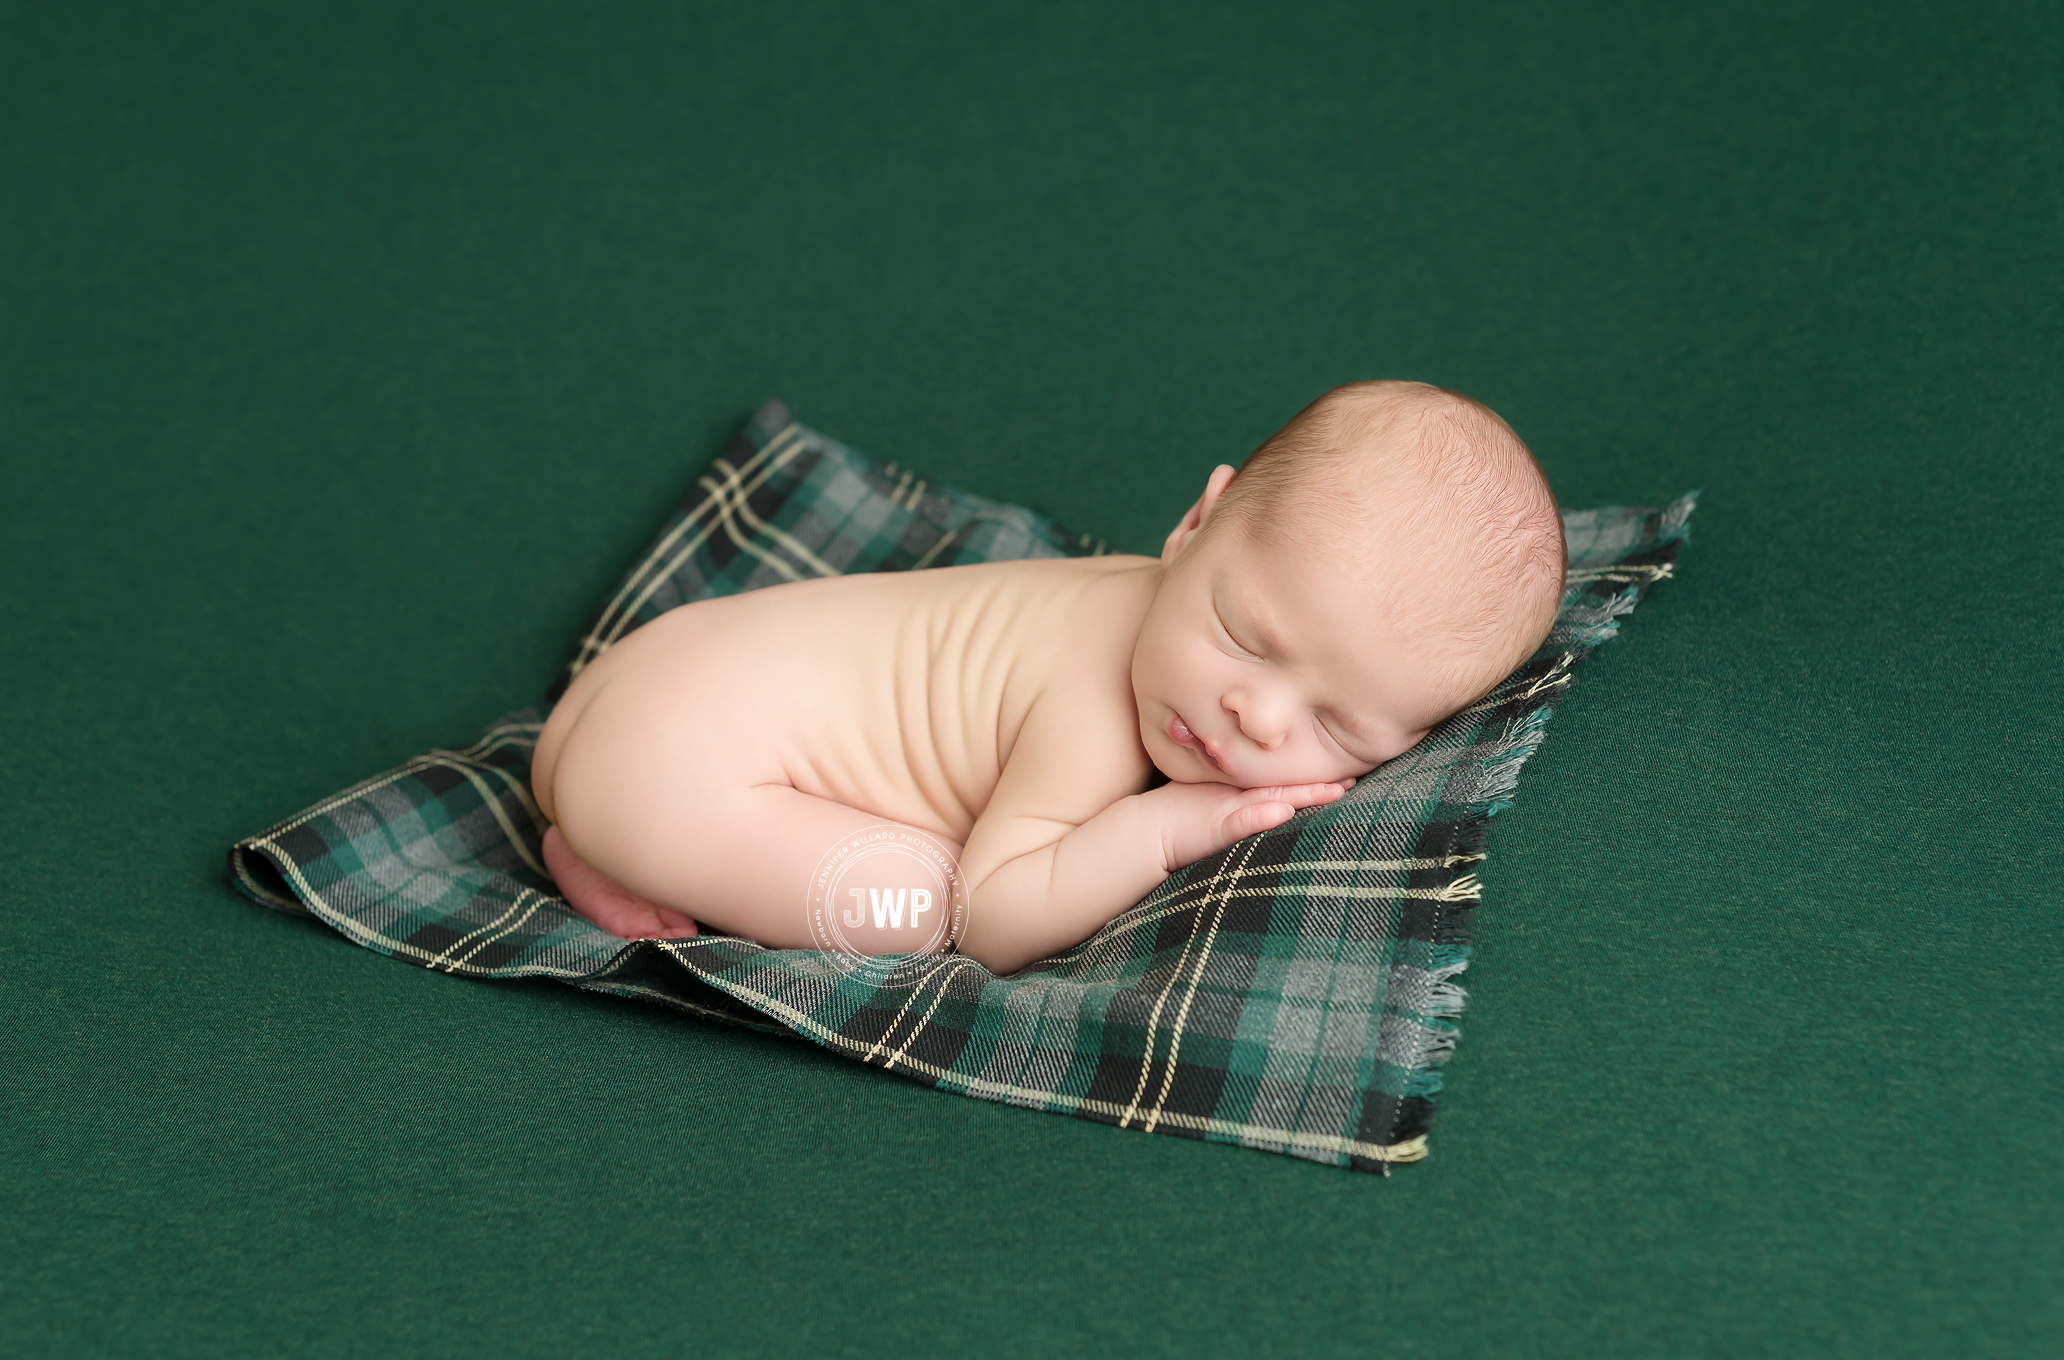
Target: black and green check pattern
x,y
1295,992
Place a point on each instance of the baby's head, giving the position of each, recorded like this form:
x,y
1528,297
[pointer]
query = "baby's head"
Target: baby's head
x,y
1380,564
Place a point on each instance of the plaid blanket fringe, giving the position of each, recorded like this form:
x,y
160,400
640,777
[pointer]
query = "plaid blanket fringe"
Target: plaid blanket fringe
x,y
1295,993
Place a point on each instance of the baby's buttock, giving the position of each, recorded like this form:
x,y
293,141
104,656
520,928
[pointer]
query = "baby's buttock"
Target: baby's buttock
x,y
881,693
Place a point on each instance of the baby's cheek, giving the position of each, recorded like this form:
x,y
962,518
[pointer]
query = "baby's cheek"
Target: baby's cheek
x,y
1330,769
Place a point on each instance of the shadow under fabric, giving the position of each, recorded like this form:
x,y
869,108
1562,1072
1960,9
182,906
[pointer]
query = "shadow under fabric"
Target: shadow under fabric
x,y
1294,993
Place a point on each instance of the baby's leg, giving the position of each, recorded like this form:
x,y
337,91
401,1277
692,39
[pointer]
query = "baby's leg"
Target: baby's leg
x,y
609,905
740,858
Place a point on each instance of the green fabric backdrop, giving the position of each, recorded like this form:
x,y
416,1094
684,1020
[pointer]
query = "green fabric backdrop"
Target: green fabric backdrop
x,y
348,351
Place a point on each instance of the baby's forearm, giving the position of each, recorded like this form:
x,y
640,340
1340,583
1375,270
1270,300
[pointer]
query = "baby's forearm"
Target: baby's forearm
x,y
1045,900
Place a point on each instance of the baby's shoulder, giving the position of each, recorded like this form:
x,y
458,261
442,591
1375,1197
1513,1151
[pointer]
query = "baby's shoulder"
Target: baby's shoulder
x,y
1078,752
1083,730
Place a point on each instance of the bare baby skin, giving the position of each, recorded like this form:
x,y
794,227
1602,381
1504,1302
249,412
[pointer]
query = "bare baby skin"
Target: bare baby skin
x,y
700,769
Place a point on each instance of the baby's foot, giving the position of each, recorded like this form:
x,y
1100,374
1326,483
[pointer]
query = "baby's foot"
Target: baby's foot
x,y
607,903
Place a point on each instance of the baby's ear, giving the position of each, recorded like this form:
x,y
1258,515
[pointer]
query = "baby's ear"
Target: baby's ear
x,y
1214,487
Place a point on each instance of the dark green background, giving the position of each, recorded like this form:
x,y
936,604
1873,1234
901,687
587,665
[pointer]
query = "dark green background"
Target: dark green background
x,y
347,352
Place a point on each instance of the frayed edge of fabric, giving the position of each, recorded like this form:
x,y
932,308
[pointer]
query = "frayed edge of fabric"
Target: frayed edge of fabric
x,y
1675,525
1435,1022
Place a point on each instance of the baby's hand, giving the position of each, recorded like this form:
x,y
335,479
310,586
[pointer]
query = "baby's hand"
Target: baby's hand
x,y
1195,820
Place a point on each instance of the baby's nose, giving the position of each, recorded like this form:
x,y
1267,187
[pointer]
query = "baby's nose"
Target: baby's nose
x,y
1257,724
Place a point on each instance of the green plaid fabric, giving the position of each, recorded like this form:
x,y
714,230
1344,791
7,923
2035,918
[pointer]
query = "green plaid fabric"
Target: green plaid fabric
x,y
1295,992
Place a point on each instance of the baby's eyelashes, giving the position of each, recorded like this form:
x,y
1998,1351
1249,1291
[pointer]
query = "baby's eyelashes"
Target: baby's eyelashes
x,y
1326,736
1227,633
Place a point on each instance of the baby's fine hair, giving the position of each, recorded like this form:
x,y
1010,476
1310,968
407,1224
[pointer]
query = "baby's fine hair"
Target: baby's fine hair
x,y
1332,478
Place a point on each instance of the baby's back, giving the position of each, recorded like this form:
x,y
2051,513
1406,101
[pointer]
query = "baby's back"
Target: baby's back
x,y
901,694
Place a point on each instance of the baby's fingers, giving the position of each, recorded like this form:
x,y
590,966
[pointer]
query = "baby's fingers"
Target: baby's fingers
x,y
1304,795
1255,818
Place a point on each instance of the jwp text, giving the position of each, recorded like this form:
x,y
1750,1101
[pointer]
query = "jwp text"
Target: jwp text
x,y
888,906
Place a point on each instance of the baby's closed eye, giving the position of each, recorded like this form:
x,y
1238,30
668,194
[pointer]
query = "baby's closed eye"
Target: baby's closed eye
x,y
1339,741
1245,651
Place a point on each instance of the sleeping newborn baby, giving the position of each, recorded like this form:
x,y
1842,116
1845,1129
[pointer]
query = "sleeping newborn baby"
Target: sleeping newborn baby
x,y
1378,565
